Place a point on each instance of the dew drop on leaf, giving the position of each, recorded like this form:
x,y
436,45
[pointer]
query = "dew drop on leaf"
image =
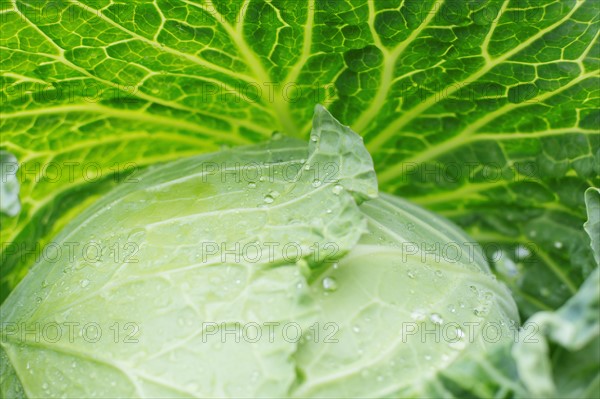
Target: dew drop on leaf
x,y
417,315
268,199
329,284
436,318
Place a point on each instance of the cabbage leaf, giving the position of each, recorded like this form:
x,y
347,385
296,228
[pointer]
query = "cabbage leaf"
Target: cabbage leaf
x,y
484,111
351,313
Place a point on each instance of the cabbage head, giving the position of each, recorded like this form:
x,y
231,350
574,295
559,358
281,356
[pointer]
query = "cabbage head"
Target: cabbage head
x,y
275,270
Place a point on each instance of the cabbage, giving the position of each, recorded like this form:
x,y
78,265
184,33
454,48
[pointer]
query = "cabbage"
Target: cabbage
x,y
266,271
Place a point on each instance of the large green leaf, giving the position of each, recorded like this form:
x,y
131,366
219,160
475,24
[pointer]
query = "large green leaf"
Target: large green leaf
x,y
184,289
375,315
485,111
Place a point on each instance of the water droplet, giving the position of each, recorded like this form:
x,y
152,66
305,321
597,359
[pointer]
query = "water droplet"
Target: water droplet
x,y
329,284
44,386
274,194
479,311
337,189
44,284
439,273
418,315
307,167
436,318
38,299
356,329
522,252
411,274
336,265
451,308
313,138
252,185
328,211
268,199
316,183
84,283
558,244
461,304
428,357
